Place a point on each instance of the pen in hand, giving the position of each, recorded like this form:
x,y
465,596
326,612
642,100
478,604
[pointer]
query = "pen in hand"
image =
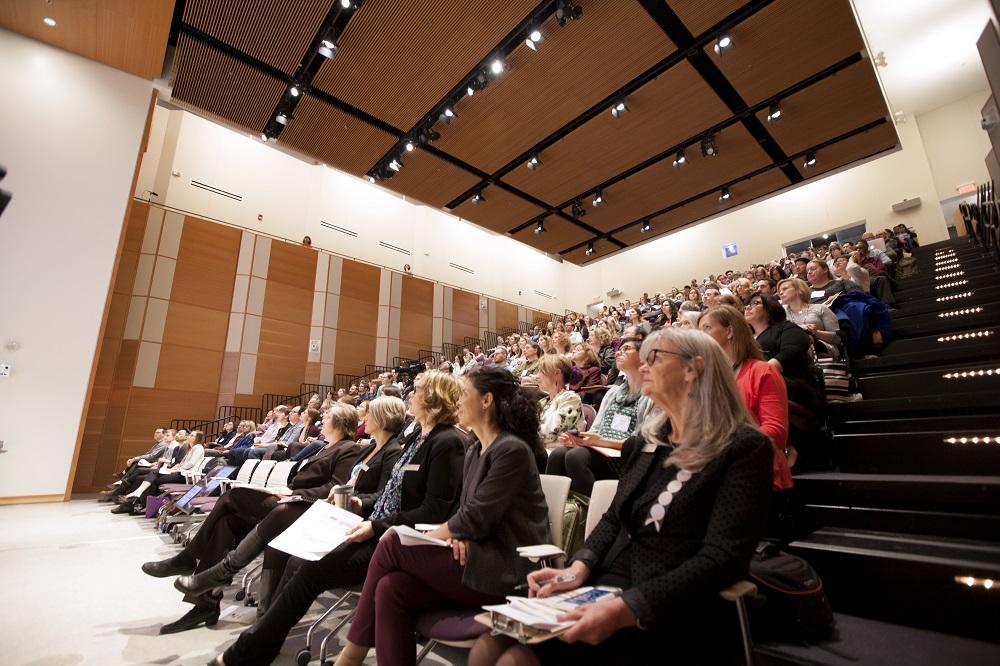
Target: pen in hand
x,y
561,578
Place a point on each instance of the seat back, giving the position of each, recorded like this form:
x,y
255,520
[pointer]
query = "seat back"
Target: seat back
x,y
600,501
279,474
246,470
556,489
259,476
589,414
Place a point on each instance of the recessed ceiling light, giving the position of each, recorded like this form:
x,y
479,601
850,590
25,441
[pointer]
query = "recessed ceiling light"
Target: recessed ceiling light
x,y
410,146
327,49
346,4
534,39
497,67
49,21
725,194
371,179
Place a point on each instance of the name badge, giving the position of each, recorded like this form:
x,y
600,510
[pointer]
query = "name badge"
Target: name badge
x,y
410,428
363,467
649,448
411,468
621,423
818,293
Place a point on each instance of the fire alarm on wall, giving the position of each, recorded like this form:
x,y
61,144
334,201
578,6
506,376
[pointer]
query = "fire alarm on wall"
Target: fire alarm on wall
x,y
260,217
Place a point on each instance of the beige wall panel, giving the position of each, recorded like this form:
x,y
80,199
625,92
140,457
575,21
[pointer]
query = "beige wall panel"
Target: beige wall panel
x,y
146,364
245,376
326,374
156,320
241,288
143,274
134,318
151,234
335,275
170,236
318,308
332,315
251,334
255,296
234,336
261,257
163,277
245,260
322,271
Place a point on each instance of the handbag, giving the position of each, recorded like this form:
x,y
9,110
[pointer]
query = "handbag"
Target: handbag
x,y
790,603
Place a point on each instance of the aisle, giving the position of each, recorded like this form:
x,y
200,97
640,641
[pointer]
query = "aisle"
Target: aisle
x,y
73,593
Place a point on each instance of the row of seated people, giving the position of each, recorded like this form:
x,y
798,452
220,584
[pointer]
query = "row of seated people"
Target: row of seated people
x,y
480,483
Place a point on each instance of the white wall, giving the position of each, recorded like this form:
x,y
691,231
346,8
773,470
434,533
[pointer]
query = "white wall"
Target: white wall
x,y
956,144
864,192
294,197
71,130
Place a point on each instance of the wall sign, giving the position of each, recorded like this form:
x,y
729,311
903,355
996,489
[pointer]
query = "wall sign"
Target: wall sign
x,y
729,250
314,346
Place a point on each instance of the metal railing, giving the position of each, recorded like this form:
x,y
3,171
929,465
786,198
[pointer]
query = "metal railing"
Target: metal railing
x,y
239,413
321,389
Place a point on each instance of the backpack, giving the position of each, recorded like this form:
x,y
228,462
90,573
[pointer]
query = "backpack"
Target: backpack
x,y
574,522
790,604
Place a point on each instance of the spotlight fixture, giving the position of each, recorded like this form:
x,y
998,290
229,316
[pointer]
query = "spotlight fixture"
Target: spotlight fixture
x,y
371,179
263,137
577,209
478,198
567,10
497,67
619,108
725,194
283,119
328,49
396,164
598,199
679,159
294,91
774,113
49,21
708,146
590,249
346,4
428,136
810,159
539,228
723,43
447,115
534,162
645,227
470,91
534,39
410,146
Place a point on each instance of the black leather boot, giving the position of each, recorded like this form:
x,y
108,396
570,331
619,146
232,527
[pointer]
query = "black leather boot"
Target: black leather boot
x,y
221,575
181,563
195,617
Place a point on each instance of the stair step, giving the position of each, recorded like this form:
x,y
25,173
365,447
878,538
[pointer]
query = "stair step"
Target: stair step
x,y
908,579
931,423
926,359
920,452
946,321
977,336
943,379
908,521
926,405
923,492
982,274
955,298
861,640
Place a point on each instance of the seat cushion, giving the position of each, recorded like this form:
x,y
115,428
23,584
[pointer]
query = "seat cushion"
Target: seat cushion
x,y
450,624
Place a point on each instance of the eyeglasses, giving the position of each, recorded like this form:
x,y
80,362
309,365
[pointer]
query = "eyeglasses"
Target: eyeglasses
x,y
651,356
753,304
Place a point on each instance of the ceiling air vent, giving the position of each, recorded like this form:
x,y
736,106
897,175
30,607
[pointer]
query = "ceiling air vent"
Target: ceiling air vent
x,y
544,295
334,227
216,190
394,248
462,268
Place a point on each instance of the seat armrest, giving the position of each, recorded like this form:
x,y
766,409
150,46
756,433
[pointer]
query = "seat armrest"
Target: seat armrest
x,y
738,590
540,551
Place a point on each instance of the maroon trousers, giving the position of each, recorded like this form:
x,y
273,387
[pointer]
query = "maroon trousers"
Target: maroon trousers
x,y
401,582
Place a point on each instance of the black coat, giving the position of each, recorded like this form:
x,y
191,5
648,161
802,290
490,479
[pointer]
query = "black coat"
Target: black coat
x,y
318,474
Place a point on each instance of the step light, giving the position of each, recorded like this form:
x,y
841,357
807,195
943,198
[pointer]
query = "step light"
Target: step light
x,y
964,294
957,283
969,374
945,276
963,311
947,265
977,439
970,581
965,336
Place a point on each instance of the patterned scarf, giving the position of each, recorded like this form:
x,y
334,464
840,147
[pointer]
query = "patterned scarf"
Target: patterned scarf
x,y
389,501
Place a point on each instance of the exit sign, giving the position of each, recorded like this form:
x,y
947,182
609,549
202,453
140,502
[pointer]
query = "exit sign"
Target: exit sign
x,y
968,188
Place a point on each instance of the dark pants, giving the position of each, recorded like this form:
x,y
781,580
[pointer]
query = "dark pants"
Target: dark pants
x,y
156,480
230,520
402,581
582,465
882,289
343,567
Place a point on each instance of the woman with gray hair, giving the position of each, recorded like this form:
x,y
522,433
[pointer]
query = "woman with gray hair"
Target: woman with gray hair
x,y
690,507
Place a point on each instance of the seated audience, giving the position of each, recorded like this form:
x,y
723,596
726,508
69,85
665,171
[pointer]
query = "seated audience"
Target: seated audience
x,y
825,288
432,460
562,409
690,508
532,356
134,465
586,379
194,451
501,507
817,319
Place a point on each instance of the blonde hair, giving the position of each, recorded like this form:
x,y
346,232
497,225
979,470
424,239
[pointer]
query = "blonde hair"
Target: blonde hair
x,y
556,364
345,417
591,359
561,342
715,409
388,412
440,393
800,286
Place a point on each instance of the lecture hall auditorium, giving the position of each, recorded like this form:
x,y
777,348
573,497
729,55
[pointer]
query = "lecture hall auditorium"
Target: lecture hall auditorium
x,y
350,332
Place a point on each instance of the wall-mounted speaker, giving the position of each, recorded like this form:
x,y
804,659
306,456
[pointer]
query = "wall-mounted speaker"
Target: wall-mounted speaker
x,y
906,204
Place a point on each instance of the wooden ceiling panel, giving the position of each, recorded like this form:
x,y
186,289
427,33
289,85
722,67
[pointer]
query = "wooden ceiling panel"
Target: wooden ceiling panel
x,y
430,179
574,68
786,42
334,137
876,140
264,29
397,60
579,256
661,114
127,35
501,212
559,234
223,86
700,15
834,106
662,185
708,206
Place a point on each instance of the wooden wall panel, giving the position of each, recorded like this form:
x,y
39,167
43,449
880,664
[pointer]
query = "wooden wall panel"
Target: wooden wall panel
x,y
194,326
464,315
354,351
287,303
188,369
291,264
415,316
206,264
281,357
506,315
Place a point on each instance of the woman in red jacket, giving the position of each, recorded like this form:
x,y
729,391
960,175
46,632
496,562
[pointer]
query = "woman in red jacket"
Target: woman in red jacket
x,y
759,383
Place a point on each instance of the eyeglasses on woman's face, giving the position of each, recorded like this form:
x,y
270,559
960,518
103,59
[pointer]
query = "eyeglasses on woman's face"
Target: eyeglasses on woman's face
x,y
753,304
654,353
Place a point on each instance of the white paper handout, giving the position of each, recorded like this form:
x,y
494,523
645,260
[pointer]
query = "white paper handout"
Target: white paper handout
x,y
318,531
411,537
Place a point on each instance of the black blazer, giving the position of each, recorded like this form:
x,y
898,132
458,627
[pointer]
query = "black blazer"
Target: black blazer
x,y
316,476
430,490
372,481
706,539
